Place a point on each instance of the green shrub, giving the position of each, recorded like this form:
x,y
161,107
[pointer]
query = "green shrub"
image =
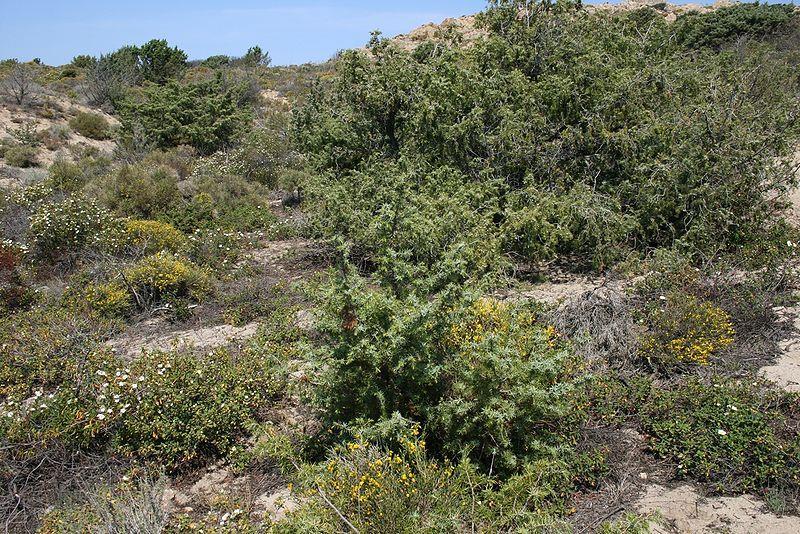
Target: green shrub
x,y
91,125
206,115
188,408
227,202
262,156
66,175
393,218
399,487
197,213
163,277
25,134
724,25
176,409
159,63
15,292
5,144
215,248
580,223
46,347
569,132
108,300
181,159
22,156
83,61
70,177
444,362
137,191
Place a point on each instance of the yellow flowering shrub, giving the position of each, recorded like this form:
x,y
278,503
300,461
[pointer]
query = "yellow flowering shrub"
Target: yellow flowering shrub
x,y
484,316
686,330
377,487
110,300
163,276
150,237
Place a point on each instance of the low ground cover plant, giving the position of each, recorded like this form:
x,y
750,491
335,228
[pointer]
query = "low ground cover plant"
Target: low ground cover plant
x,y
729,434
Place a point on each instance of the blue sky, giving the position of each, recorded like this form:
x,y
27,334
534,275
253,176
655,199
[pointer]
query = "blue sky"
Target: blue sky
x,y
293,32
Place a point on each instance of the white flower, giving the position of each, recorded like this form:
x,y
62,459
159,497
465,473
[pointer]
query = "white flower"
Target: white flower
x,y
101,416
722,432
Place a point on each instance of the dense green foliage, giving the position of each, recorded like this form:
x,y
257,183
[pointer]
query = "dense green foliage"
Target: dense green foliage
x,y
158,62
562,133
727,24
206,115
443,363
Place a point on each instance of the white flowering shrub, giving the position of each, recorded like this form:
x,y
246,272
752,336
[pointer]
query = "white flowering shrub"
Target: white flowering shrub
x,y
178,409
68,227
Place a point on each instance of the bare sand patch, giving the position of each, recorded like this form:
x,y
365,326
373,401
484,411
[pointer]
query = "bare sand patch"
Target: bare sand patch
x,y
684,509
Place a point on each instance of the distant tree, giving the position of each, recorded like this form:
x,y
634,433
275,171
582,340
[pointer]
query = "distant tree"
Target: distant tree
x,y
216,62
109,76
255,56
206,115
159,63
83,61
20,83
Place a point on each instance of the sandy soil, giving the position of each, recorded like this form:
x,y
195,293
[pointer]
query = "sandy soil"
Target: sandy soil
x,y
132,343
683,509
785,372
